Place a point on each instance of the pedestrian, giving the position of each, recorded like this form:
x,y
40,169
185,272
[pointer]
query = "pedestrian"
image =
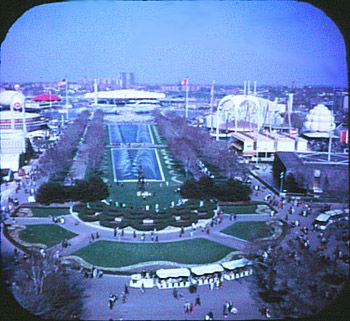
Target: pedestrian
x,y
225,310
97,235
235,217
198,300
211,286
126,289
110,303
134,234
156,238
268,313
122,232
124,297
142,288
115,232
175,293
92,237
191,307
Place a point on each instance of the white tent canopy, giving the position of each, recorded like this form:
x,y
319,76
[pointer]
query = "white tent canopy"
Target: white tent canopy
x,y
323,217
236,264
173,273
207,269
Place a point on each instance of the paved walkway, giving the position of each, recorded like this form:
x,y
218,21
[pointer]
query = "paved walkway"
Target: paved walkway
x,y
159,304
85,230
80,160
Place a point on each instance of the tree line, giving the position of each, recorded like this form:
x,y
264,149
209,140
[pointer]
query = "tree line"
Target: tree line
x,y
58,158
94,140
189,145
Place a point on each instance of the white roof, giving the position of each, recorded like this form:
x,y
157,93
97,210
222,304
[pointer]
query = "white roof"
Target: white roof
x,y
126,94
242,137
323,217
207,269
7,115
319,135
236,264
333,212
136,277
173,273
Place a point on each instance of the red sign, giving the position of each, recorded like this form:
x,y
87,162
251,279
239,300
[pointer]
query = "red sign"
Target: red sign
x,y
17,105
344,138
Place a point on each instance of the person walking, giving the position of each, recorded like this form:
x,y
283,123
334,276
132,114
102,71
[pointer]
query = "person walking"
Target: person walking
x,y
186,307
198,300
225,310
175,293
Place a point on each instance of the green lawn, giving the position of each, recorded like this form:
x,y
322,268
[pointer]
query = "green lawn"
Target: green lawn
x,y
113,254
248,230
247,209
45,234
47,211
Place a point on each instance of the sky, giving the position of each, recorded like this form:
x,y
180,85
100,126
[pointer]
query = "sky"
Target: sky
x,y
274,43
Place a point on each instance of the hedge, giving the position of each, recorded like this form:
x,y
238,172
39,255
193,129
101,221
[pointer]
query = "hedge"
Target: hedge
x,y
189,213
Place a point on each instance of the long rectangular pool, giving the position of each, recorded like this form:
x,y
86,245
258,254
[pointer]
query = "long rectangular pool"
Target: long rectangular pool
x,y
127,163
130,134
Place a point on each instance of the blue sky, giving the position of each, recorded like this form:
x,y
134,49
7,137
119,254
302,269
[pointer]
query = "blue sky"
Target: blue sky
x,y
163,42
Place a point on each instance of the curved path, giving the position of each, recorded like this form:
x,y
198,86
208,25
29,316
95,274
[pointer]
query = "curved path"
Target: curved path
x,y
84,231
160,304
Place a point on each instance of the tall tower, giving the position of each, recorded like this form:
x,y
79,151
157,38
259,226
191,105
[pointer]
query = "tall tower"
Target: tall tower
x,y
123,80
131,79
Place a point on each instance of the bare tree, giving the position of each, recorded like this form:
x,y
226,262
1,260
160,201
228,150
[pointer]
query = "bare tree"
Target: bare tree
x,y
181,137
45,288
290,279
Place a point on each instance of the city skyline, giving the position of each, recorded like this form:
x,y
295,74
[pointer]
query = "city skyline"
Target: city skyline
x,y
272,43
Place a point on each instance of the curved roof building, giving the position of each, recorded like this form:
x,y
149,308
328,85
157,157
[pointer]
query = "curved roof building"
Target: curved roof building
x,y
246,112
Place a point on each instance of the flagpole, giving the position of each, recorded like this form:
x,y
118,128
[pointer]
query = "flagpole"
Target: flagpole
x,y
50,97
186,106
211,104
67,97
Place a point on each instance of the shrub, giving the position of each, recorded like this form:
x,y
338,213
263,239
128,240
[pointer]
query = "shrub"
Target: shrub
x,y
205,189
93,189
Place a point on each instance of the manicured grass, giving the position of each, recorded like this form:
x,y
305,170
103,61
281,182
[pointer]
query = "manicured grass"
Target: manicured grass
x,y
45,234
113,254
244,209
248,230
47,211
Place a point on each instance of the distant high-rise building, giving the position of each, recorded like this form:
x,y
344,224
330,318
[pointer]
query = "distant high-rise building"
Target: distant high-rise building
x,y
340,101
122,80
131,79
126,80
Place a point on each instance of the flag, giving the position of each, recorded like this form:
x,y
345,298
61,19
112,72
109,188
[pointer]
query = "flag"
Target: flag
x,y
61,83
184,82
